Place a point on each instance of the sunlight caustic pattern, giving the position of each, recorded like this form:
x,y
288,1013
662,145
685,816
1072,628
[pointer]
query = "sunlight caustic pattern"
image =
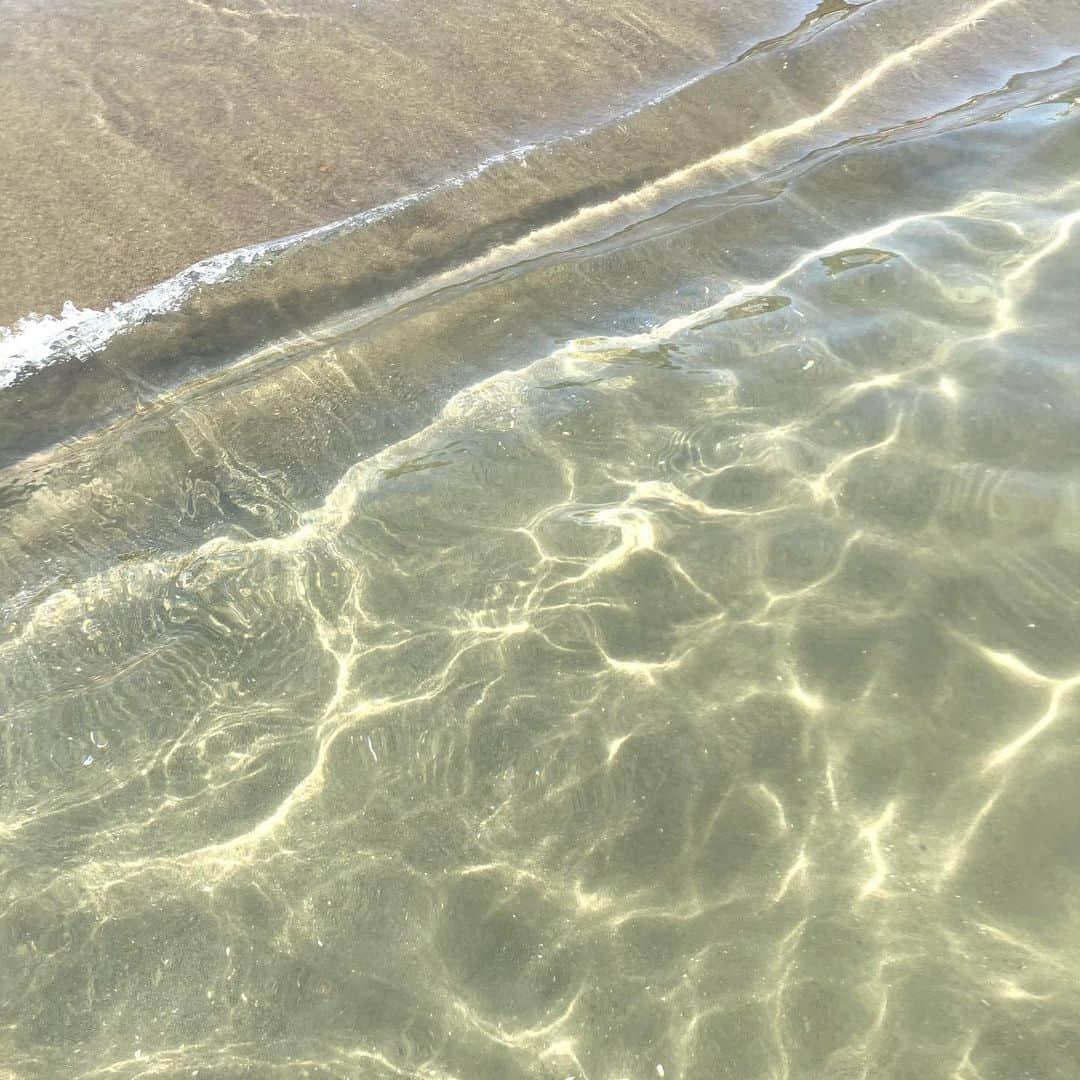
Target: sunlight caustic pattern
x,y
656,658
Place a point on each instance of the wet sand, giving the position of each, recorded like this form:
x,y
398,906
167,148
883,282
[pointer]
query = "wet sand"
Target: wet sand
x,y
142,137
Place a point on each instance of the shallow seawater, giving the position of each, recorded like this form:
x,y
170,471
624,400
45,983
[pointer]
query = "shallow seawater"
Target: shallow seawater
x,y
643,643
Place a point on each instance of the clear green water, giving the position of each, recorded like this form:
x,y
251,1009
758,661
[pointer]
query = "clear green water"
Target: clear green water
x,y
649,648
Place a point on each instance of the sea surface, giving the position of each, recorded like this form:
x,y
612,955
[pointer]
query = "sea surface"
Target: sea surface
x,y
611,613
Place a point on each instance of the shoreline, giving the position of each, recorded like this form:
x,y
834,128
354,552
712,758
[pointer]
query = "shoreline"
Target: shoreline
x,y
143,144
34,339
579,188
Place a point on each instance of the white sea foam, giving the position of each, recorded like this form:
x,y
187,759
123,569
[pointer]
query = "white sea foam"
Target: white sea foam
x,y
76,333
